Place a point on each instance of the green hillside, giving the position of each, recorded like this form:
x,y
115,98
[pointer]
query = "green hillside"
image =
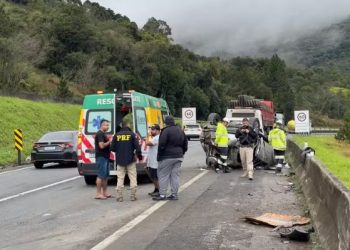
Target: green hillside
x,y
35,119
64,49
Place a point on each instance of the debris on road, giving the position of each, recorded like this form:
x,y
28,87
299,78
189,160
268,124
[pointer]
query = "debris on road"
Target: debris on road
x,y
275,220
295,233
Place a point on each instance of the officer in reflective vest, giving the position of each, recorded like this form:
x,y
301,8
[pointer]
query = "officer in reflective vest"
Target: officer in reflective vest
x,y
221,139
278,141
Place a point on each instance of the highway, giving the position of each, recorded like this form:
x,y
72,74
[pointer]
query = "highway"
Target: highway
x,y
53,208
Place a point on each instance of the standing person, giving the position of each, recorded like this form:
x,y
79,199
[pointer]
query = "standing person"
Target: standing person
x,y
247,138
125,145
172,146
102,152
152,163
278,141
221,139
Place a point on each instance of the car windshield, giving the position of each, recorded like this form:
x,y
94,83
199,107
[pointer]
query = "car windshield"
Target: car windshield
x,y
193,126
57,136
242,115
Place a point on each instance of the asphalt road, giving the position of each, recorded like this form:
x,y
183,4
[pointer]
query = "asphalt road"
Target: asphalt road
x,y
52,208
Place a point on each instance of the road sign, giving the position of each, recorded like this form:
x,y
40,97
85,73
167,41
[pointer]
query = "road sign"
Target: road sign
x,y
189,116
302,121
19,143
18,139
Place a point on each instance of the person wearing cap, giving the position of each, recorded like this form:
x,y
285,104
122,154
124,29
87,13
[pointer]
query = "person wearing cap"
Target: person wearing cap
x,y
152,163
247,138
172,147
221,137
278,141
126,146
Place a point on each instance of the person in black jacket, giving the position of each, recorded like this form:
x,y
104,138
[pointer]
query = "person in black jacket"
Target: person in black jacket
x,y
172,146
247,139
125,144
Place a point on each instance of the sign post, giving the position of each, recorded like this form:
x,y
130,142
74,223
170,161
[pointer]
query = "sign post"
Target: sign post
x,y
302,121
189,116
19,144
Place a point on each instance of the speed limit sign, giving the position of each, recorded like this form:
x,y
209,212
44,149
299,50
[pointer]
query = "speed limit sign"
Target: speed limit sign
x,y
189,116
302,121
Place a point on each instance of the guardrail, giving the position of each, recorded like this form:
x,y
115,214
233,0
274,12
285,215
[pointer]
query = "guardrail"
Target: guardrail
x,y
318,131
327,198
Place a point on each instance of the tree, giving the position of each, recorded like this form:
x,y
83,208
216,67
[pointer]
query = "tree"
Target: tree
x,y
6,27
157,26
344,132
63,91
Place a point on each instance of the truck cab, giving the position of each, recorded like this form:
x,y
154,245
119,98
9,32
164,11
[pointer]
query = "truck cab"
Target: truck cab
x,y
260,113
236,116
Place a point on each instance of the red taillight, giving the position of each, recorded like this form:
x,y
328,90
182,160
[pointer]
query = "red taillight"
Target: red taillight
x,y
66,145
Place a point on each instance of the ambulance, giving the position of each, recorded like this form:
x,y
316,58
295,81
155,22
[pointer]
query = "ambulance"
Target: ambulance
x,y
141,110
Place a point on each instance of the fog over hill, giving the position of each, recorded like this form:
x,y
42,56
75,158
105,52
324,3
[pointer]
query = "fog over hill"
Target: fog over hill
x,y
237,27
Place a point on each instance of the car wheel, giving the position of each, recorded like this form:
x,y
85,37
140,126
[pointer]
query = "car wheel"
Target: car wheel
x,y
90,179
73,164
214,118
38,165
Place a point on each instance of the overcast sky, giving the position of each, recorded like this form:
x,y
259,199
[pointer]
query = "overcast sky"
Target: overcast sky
x,y
239,27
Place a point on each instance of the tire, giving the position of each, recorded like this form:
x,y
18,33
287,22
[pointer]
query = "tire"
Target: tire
x,y
256,125
74,164
90,179
38,165
214,118
233,155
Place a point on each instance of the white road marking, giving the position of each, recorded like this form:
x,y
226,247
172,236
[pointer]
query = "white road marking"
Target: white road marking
x,y
126,228
16,170
39,188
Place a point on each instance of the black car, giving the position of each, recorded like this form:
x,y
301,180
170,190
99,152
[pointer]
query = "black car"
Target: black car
x,y
56,147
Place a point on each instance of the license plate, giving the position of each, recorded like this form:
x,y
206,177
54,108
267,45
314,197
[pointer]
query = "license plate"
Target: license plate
x,y
50,148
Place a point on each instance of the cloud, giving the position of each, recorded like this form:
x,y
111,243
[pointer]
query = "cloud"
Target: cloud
x,y
235,27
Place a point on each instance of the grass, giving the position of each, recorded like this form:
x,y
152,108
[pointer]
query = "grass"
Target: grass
x,y
335,155
35,119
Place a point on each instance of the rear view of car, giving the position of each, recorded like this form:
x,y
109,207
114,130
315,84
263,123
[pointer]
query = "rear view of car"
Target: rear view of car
x,y
55,147
193,131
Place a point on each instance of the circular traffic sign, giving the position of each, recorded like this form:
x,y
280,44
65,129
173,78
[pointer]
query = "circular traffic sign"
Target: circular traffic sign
x,y
301,117
189,114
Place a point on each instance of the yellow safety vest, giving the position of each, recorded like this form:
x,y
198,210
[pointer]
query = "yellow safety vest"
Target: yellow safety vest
x,y
221,136
277,139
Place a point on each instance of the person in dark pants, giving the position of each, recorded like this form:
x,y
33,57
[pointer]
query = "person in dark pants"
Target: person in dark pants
x,y
222,140
102,152
126,145
172,146
247,139
278,140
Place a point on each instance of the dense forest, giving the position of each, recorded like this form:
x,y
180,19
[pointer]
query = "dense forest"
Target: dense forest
x,y
64,49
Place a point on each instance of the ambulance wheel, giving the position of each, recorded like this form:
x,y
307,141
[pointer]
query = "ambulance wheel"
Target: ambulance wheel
x,y
90,179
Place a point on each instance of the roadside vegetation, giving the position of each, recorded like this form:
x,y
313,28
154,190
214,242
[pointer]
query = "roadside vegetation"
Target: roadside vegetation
x,y
333,153
35,119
